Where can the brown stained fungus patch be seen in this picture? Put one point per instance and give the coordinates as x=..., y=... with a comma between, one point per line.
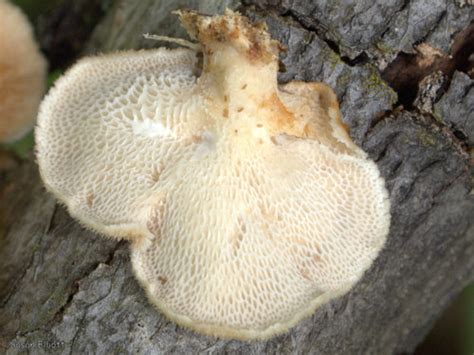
x=252, y=39
x=90, y=199
x=163, y=279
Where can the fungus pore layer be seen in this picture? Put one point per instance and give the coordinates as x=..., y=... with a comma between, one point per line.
x=247, y=204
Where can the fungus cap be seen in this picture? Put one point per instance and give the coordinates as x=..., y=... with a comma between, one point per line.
x=22, y=74
x=247, y=204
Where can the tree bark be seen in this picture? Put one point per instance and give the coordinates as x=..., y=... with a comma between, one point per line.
x=64, y=289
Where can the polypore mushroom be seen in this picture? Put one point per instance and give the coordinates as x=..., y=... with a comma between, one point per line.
x=22, y=74
x=247, y=204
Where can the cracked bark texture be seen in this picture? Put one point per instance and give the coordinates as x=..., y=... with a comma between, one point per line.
x=67, y=287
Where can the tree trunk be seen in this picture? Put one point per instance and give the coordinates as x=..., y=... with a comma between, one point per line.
x=64, y=289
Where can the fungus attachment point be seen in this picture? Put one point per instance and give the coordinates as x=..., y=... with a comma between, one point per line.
x=247, y=204
x=22, y=74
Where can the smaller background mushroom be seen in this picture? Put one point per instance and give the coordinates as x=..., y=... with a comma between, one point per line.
x=22, y=74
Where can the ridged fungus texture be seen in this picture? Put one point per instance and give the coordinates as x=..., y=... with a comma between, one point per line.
x=246, y=203
x=22, y=74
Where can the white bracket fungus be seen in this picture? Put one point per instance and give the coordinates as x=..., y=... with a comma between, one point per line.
x=22, y=74
x=246, y=203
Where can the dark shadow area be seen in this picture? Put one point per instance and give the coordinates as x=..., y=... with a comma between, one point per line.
x=63, y=26
x=453, y=332
x=64, y=30
x=406, y=72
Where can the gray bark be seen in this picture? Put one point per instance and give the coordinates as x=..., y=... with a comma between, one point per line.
x=64, y=289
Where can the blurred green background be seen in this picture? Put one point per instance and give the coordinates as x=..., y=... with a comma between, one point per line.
x=452, y=334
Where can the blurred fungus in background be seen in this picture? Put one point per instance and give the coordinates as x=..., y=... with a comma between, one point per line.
x=22, y=74
x=62, y=27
